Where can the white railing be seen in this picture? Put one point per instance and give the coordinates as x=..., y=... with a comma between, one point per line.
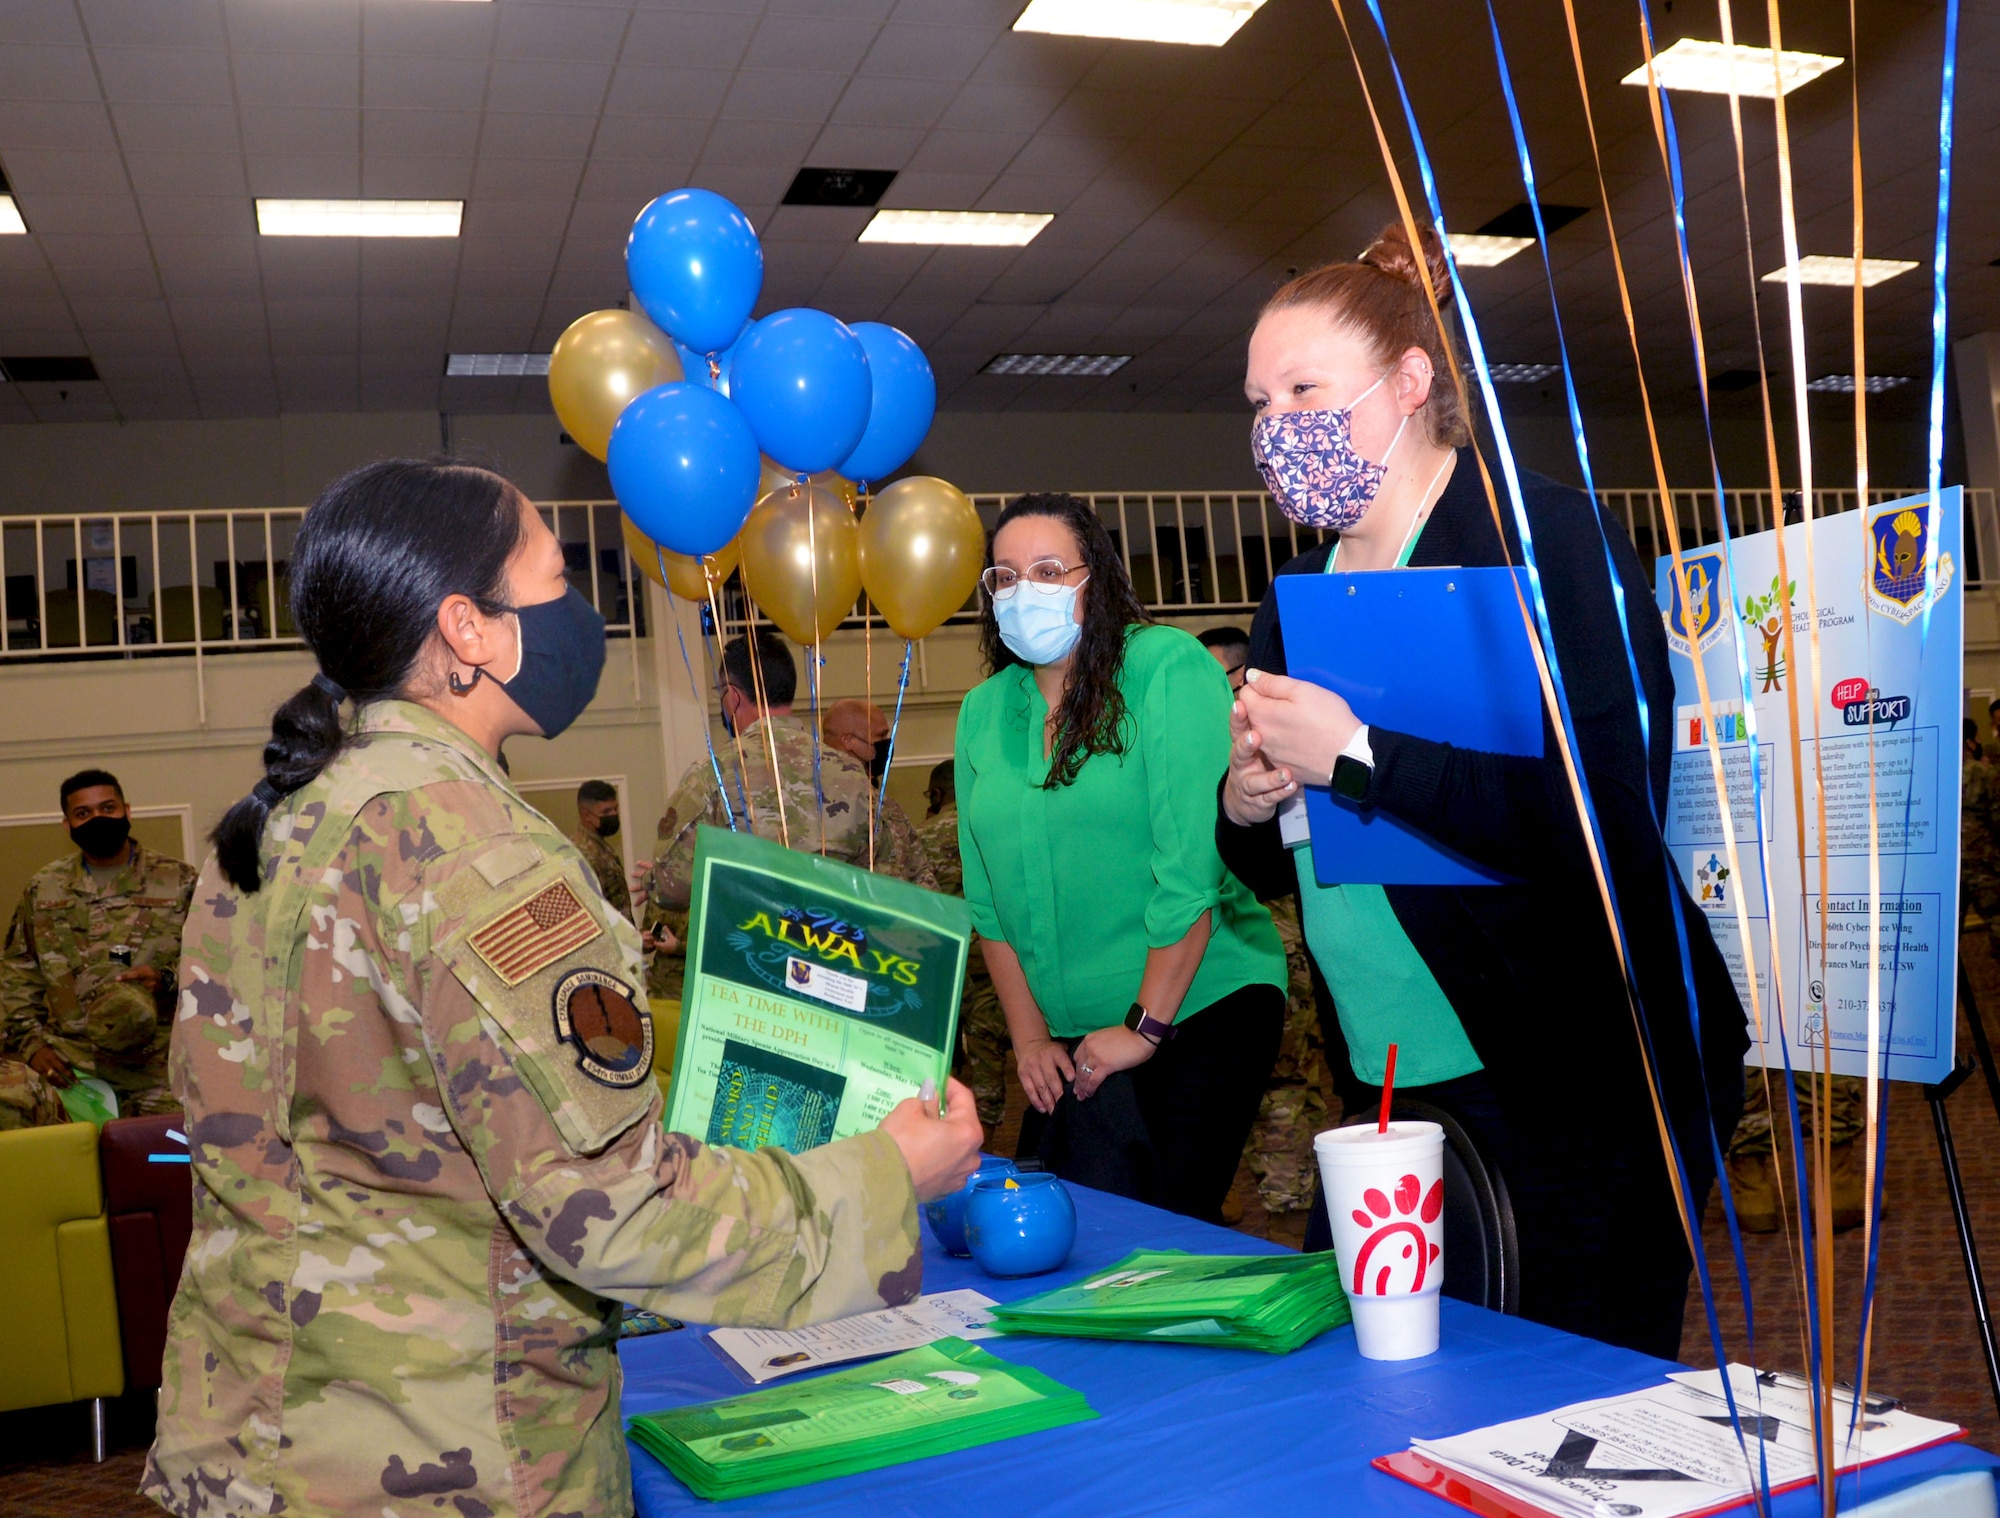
x=136, y=584
x=133, y=584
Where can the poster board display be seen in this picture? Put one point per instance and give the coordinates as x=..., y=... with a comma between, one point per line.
x=1891, y=666
x=818, y=996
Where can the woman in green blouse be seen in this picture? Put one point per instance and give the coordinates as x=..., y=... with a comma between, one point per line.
x=1143, y=984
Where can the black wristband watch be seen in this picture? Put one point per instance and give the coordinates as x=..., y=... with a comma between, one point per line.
x=1351, y=777
x=1147, y=1026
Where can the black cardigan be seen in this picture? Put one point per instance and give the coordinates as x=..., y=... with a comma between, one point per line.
x=1530, y=968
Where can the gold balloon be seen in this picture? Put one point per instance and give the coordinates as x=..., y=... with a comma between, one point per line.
x=684, y=577
x=922, y=548
x=775, y=476
x=599, y=364
x=800, y=560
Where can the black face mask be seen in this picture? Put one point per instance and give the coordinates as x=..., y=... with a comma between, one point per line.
x=879, y=765
x=562, y=654
x=101, y=837
x=607, y=827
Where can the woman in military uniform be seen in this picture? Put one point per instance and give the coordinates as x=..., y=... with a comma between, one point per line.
x=428, y=1158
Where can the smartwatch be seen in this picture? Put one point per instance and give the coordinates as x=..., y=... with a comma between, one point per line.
x=1147, y=1026
x=1351, y=777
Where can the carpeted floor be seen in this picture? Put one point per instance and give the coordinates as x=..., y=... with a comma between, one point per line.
x=1926, y=1349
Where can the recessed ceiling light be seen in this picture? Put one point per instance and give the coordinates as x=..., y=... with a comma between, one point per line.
x=1478, y=250
x=1203, y=23
x=838, y=187
x=11, y=224
x=1522, y=374
x=50, y=369
x=1068, y=365
x=495, y=365
x=359, y=218
x=1843, y=384
x=1519, y=220
x=983, y=229
x=1838, y=269
x=1706, y=67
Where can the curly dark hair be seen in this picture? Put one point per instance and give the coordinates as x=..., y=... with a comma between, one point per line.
x=1092, y=717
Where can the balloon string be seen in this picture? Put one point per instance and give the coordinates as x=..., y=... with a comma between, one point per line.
x=804, y=488
x=753, y=640
x=868, y=687
x=710, y=639
x=694, y=685
x=902, y=684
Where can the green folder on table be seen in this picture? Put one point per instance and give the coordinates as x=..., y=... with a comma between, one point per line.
x=1269, y=1302
x=945, y=1396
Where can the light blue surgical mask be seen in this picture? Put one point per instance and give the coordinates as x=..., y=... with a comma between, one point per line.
x=1039, y=625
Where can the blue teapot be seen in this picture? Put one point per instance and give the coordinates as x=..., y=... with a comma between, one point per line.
x=1020, y=1225
x=947, y=1214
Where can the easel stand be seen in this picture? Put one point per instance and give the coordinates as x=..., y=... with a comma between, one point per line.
x=1938, y=1096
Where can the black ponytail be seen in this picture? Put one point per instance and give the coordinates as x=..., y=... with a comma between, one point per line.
x=378, y=552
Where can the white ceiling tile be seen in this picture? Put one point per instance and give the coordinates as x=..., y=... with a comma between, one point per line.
x=400, y=29
x=783, y=95
x=489, y=224
x=235, y=256
x=80, y=126
x=185, y=173
x=72, y=251
x=198, y=215
x=138, y=369
x=757, y=143
x=688, y=40
x=510, y=282
x=125, y=280
x=153, y=23
x=82, y=213
x=834, y=224
x=46, y=73
x=317, y=382
x=841, y=145
x=666, y=140
x=298, y=79
x=520, y=134
x=418, y=134
x=935, y=190
x=308, y=266
x=416, y=83
x=984, y=106
x=565, y=86
x=40, y=26
x=895, y=102
x=803, y=42
x=219, y=318
x=192, y=128
x=968, y=152
x=526, y=179
x=113, y=319
x=929, y=52
x=598, y=220
x=177, y=75
x=62, y=171
x=307, y=129
x=499, y=316
x=417, y=178
x=561, y=31
x=632, y=181
x=651, y=90
x=1041, y=193
x=278, y=26
x=755, y=188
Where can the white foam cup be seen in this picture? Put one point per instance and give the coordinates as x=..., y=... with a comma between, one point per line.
x=1385, y=1199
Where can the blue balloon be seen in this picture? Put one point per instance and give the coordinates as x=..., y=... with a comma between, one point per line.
x=695, y=264
x=801, y=378
x=695, y=365
x=684, y=466
x=905, y=401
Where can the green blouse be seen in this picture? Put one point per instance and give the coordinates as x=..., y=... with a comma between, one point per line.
x=1082, y=880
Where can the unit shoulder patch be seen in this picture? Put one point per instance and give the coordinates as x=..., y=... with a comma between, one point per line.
x=535, y=933
x=605, y=1022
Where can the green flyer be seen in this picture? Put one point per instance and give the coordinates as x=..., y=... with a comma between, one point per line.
x=818, y=996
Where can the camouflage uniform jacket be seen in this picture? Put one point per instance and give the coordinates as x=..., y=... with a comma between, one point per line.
x=427, y=1156
x=841, y=832
x=59, y=955
x=1979, y=832
x=606, y=865
x=939, y=837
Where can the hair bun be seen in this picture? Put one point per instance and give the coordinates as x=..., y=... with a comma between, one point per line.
x=1391, y=253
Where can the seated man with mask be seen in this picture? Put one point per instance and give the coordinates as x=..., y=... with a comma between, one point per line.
x=87, y=984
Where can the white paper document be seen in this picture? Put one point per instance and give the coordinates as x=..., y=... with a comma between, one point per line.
x=1670, y=1451
x=765, y=1354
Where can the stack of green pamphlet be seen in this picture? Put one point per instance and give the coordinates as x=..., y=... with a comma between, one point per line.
x=1271, y=1302
x=945, y=1396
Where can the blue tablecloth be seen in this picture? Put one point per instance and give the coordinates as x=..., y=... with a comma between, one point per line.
x=1187, y=1430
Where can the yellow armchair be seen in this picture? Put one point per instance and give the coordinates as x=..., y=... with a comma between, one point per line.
x=58, y=1303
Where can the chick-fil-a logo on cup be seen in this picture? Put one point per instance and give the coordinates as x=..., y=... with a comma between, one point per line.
x=1385, y=1198
x=1401, y=1245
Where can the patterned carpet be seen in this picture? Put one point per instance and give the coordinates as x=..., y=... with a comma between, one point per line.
x=1926, y=1348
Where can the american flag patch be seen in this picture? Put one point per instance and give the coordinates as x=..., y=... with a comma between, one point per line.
x=538, y=932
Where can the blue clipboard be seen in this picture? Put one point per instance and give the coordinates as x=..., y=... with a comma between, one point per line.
x=1436, y=653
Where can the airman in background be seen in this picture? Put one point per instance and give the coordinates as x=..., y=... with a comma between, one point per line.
x=860, y=729
x=785, y=808
x=982, y=1026
x=596, y=825
x=88, y=978
x=1279, y=1151
x=26, y=1100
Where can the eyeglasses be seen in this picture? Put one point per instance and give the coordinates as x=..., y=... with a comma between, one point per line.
x=1045, y=575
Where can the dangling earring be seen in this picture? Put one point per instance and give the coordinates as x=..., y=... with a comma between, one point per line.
x=462, y=687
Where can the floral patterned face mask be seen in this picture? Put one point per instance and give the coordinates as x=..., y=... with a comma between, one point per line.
x=1310, y=465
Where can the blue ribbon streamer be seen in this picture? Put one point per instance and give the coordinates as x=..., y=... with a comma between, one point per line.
x=895, y=726
x=1540, y=604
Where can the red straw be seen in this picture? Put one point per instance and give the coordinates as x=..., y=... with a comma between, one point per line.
x=1388, y=1090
